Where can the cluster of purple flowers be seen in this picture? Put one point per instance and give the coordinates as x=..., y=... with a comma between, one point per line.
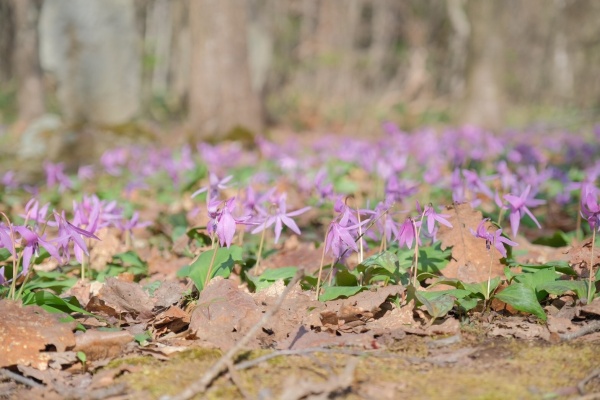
x=89, y=217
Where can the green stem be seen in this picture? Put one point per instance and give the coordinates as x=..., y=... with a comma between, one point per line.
x=361, y=253
x=592, y=279
x=13, y=284
x=212, y=261
x=321, y=267
x=260, y=248
x=417, y=236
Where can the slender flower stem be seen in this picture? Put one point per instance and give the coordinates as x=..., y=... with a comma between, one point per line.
x=501, y=215
x=361, y=254
x=592, y=280
x=578, y=232
x=321, y=267
x=13, y=284
x=260, y=247
x=417, y=236
x=489, y=282
x=212, y=261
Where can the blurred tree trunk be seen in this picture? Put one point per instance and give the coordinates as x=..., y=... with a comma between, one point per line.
x=483, y=102
x=221, y=96
x=26, y=61
x=7, y=33
x=92, y=48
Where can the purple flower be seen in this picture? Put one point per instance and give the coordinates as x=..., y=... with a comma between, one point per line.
x=55, y=174
x=590, y=209
x=31, y=242
x=477, y=184
x=67, y=233
x=492, y=239
x=433, y=216
x=6, y=240
x=35, y=213
x=386, y=224
x=340, y=239
x=85, y=173
x=214, y=186
x=519, y=207
x=9, y=180
x=399, y=190
x=280, y=218
x=325, y=190
x=130, y=224
x=407, y=232
x=222, y=222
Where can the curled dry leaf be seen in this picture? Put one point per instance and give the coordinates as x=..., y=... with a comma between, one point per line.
x=470, y=258
x=99, y=345
x=118, y=298
x=26, y=333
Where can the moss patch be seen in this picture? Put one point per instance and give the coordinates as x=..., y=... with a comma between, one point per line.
x=498, y=369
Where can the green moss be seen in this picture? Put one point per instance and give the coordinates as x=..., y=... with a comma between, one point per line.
x=499, y=369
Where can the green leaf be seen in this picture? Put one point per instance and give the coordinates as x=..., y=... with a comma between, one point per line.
x=559, y=239
x=224, y=261
x=386, y=260
x=345, y=278
x=437, y=305
x=4, y=254
x=561, y=287
x=336, y=292
x=537, y=279
x=431, y=258
x=143, y=338
x=559, y=266
x=54, y=304
x=467, y=303
x=271, y=276
x=522, y=298
x=482, y=287
x=130, y=259
x=81, y=356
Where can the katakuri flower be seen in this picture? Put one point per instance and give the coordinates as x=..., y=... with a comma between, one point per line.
x=492, y=238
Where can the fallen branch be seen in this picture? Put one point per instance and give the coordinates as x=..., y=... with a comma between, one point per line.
x=592, y=327
x=591, y=376
x=220, y=366
x=20, y=379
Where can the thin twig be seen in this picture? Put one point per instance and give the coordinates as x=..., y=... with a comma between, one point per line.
x=592, y=327
x=20, y=379
x=217, y=369
x=592, y=375
x=235, y=379
x=300, y=352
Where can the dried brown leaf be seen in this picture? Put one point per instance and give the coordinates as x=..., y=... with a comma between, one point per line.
x=99, y=345
x=593, y=308
x=470, y=259
x=26, y=332
x=119, y=298
x=224, y=313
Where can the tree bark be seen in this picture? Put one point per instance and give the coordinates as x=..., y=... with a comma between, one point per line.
x=483, y=104
x=26, y=62
x=221, y=95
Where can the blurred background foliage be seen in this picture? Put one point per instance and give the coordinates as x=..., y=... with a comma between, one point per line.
x=210, y=67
